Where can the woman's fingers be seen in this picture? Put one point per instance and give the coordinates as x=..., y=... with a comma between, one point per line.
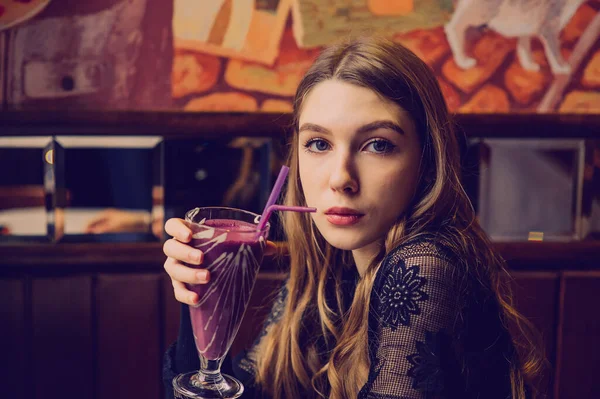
x=178, y=229
x=180, y=275
x=183, y=295
x=183, y=252
x=178, y=251
x=180, y=272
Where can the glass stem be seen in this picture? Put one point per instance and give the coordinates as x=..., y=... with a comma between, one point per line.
x=210, y=371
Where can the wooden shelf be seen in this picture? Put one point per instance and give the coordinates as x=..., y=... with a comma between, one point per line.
x=574, y=255
x=48, y=258
x=581, y=255
x=205, y=124
x=162, y=123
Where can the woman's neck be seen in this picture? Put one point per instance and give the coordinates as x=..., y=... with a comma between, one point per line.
x=365, y=255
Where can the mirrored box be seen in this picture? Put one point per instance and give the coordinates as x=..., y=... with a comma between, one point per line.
x=105, y=188
x=590, y=220
x=234, y=172
x=531, y=189
x=23, y=198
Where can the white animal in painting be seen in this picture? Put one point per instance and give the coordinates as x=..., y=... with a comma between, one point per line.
x=523, y=19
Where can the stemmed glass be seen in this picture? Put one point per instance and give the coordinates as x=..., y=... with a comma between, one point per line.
x=233, y=249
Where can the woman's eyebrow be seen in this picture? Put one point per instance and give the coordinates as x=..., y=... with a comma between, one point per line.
x=385, y=124
x=314, y=128
x=369, y=127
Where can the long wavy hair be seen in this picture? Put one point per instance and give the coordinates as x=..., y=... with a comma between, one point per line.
x=289, y=363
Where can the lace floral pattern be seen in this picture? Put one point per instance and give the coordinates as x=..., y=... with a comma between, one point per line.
x=415, y=292
x=402, y=289
x=426, y=366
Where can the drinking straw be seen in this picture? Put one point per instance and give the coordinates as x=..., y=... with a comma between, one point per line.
x=283, y=208
x=270, y=205
x=273, y=196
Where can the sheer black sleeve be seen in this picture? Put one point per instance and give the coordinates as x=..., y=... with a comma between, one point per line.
x=414, y=310
x=420, y=303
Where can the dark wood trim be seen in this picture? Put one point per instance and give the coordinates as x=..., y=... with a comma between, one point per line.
x=560, y=319
x=80, y=256
x=529, y=125
x=175, y=124
x=575, y=255
x=112, y=257
x=581, y=273
x=161, y=123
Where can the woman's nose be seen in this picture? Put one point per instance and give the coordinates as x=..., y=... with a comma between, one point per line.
x=343, y=175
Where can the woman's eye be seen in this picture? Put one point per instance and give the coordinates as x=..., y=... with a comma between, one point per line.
x=379, y=146
x=317, y=145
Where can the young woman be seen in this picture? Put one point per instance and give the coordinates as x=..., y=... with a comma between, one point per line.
x=393, y=288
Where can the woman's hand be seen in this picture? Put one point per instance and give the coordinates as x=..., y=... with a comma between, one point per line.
x=178, y=251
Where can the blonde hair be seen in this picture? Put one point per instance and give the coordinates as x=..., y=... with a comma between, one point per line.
x=288, y=360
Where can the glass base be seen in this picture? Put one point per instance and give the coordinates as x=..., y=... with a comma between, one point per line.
x=192, y=386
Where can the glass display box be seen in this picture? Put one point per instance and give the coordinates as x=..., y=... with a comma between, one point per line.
x=531, y=189
x=106, y=188
x=23, y=197
x=123, y=188
x=81, y=188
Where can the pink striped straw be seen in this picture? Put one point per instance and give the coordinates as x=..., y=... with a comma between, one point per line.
x=271, y=206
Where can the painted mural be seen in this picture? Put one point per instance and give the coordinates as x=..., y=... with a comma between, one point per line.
x=499, y=56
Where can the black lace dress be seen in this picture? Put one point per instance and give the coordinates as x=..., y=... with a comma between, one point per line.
x=434, y=332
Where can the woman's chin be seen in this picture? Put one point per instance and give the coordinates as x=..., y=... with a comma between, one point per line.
x=344, y=243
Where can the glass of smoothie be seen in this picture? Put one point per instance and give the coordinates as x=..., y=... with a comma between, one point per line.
x=233, y=245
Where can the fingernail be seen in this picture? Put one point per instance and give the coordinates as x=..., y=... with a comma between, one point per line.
x=201, y=275
x=193, y=300
x=195, y=255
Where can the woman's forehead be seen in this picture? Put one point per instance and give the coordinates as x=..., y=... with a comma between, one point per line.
x=336, y=104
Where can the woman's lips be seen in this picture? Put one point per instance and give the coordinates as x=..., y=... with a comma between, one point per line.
x=342, y=216
x=343, y=220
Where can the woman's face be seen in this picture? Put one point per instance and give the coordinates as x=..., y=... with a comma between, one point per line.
x=359, y=162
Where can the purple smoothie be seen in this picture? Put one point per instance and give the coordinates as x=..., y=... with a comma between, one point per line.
x=232, y=254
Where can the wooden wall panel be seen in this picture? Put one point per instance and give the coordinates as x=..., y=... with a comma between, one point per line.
x=536, y=297
x=171, y=312
x=129, y=328
x=578, y=361
x=13, y=361
x=62, y=343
